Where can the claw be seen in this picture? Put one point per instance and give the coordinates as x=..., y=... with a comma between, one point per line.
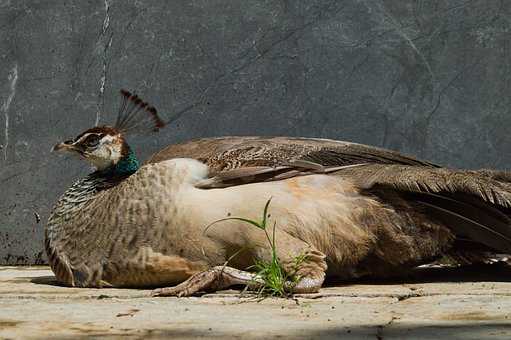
x=198, y=282
x=156, y=292
x=167, y=291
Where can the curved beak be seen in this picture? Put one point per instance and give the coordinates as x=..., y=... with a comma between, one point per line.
x=59, y=147
x=64, y=146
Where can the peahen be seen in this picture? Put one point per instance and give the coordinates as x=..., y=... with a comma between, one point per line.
x=349, y=210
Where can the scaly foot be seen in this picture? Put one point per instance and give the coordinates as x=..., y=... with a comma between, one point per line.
x=216, y=278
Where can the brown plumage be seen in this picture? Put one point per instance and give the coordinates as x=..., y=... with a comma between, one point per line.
x=351, y=209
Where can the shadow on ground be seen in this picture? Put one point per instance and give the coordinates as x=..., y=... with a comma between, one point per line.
x=46, y=280
x=494, y=272
x=402, y=331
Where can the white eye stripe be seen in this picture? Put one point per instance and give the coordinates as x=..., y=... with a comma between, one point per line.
x=84, y=137
x=107, y=139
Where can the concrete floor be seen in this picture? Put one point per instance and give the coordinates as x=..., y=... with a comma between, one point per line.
x=473, y=303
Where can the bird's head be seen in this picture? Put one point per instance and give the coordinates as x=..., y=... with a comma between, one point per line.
x=102, y=146
x=105, y=146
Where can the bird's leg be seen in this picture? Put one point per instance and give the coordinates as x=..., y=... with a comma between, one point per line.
x=216, y=278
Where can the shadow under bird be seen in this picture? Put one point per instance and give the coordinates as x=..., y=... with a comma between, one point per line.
x=349, y=210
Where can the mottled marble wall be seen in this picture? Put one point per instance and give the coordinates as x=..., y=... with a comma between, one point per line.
x=429, y=78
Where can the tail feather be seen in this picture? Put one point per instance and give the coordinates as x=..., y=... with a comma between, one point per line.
x=434, y=180
x=467, y=227
x=481, y=213
x=473, y=204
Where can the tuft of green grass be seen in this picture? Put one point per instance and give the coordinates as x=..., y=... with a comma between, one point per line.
x=276, y=281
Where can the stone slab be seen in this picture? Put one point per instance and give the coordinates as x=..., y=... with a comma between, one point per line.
x=32, y=306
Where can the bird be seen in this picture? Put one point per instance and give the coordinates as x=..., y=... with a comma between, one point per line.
x=348, y=210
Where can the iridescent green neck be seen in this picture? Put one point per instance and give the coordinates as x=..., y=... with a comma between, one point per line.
x=126, y=166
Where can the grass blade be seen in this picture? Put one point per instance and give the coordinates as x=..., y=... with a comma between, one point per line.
x=246, y=220
x=265, y=212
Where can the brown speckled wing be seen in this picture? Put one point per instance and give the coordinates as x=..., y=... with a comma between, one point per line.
x=227, y=153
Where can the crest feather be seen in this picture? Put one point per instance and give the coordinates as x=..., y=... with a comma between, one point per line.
x=135, y=115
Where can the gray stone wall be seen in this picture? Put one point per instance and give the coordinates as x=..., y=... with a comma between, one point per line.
x=430, y=78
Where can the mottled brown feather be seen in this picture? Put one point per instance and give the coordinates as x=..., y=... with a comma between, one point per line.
x=224, y=153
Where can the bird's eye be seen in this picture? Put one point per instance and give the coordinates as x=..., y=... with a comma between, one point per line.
x=92, y=140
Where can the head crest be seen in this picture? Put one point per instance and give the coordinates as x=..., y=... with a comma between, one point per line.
x=135, y=115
